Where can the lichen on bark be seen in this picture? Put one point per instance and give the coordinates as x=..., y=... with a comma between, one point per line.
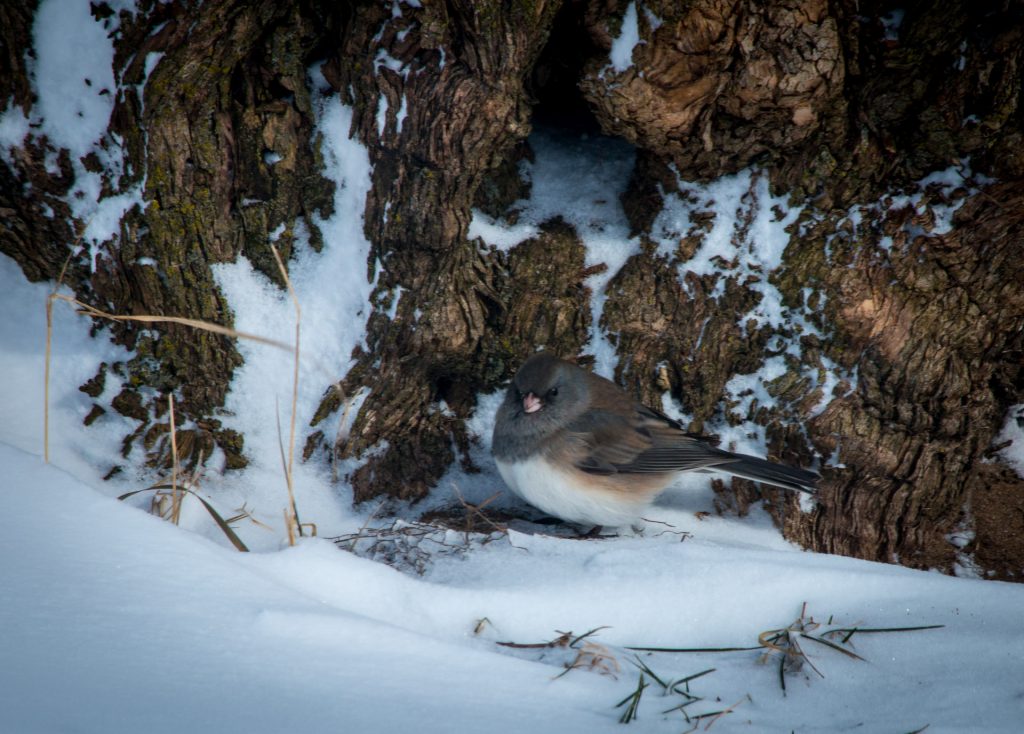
x=922, y=325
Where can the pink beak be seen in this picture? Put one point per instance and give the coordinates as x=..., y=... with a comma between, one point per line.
x=531, y=403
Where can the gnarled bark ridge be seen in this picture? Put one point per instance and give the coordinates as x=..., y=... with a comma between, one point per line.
x=907, y=352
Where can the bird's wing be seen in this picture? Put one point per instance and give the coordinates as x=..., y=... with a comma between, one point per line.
x=641, y=441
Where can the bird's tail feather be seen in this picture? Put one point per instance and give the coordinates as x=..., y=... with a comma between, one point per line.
x=778, y=475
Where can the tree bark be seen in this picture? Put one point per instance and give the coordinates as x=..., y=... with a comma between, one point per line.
x=929, y=323
x=230, y=86
x=837, y=102
x=458, y=71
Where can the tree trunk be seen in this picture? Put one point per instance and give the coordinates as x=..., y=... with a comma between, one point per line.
x=230, y=86
x=457, y=71
x=904, y=331
x=928, y=321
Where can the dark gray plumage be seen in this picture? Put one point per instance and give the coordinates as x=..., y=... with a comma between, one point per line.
x=578, y=447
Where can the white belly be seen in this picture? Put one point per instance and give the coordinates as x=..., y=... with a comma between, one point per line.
x=563, y=495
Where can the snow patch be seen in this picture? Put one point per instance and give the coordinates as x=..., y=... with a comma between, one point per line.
x=1013, y=431
x=74, y=82
x=74, y=77
x=13, y=130
x=578, y=179
x=87, y=452
x=333, y=289
x=621, y=55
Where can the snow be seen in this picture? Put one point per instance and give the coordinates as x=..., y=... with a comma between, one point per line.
x=730, y=199
x=73, y=75
x=117, y=621
x=579, y=179
x=333, y=291
x=891, y=23
x=1013, y=431
x=75, y=360
x=73, y=79
x=621, y=54
x=652, y=20
x=13, y=129
x=382, y=115
x=403, y=112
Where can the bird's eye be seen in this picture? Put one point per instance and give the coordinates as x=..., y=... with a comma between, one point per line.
x=519, y=393
x=552, y=392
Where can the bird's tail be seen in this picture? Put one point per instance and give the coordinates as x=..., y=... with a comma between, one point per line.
x=778, y=475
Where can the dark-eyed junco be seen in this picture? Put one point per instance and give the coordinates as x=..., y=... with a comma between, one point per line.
x=576, y=446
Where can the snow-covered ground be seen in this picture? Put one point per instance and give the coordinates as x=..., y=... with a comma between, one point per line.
x=116, y=621
x=113, y=620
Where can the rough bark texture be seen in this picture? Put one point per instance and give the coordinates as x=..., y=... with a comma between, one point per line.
x=715, y=85
x=27, y=234
x=231, y=87
x=934, y=325
x=834, y=102
x=465, y=102
x=930, y=324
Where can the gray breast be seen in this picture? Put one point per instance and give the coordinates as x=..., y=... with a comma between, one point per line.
x=518, y=436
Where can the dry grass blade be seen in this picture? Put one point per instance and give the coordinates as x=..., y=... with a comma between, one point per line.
x=289, y=468
x=693, y=649
x=175, y=495
x=714, y=716
x=673, y=686
x=224, y=527
x=221, y=522
x=593, y=657
x=481, y=624
x=801, y=655
x=587, y=634
x=472, y=511
x=562, y=640
x=771, y=639
x=46, y=377
x=849, y=632
x=49, y=340
x=291, y=513
x=84, y=308
x=834, y=646
x=244, y=513
x=786, y=642
x=88, y=310
x=681, y=708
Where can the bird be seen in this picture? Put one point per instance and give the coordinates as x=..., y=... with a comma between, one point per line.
x=576, y=446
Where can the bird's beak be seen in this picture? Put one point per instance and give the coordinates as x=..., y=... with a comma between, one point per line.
x=531, y=403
